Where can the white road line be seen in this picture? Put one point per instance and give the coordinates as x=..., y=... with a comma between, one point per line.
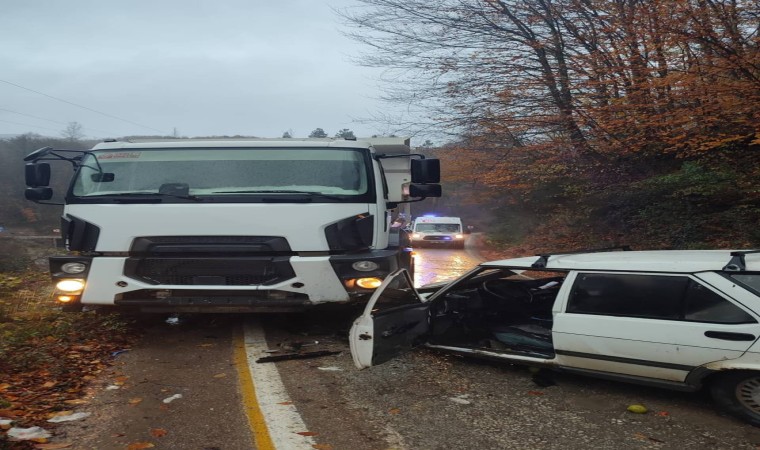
x=283, y=420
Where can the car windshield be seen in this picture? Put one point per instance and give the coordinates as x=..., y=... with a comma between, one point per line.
x=437, y=227
x=223, y=172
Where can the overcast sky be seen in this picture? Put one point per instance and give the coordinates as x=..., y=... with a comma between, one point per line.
x=249, y=67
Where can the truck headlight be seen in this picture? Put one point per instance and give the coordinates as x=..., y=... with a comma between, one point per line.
x=74, y=267
x=459, y=236
x=70, y=285
x=365, y=266
x=416, y=235
x=369, y=283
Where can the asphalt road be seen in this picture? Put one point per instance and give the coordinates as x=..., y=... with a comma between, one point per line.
x=422, y=400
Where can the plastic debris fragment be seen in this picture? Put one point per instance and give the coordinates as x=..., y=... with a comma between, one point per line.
x=461, y=399
x=172, y=398
x=28, y=434
x=70, y=417
x=330, y=369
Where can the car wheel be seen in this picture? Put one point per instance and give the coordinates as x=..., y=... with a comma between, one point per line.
x=738, y=393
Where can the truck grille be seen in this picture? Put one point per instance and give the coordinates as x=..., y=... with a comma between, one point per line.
x=241, y=271
x=437, y=238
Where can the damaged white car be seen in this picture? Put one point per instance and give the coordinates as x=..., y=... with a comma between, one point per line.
x=676, y=319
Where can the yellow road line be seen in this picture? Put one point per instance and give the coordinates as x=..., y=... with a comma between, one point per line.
x=256, y=421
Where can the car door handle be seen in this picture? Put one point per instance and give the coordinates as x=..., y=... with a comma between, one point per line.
x=730, y=336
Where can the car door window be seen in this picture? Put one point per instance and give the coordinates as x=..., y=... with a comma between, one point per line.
x=656, y=297
x=704, y=305
x=398, y=293
x=652, y=296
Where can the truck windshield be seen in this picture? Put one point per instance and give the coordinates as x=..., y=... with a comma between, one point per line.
x=195, y=172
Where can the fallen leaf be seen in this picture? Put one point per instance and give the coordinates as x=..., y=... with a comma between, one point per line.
x=140, y=446
x=535, y=393
x=206, y=345
x=285, y=403
x=220, y=375
x=307, y=433
x=157, y=432
x=322, y=446
x=4, y=386
x=135, y=401
x=77, y=401
x=60, y=413
x=662, y=413
x=394, y=411
x=49, y=384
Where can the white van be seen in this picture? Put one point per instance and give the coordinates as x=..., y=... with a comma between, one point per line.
x=437, y=231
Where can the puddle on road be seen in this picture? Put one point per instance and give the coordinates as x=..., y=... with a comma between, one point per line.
x=433, y=265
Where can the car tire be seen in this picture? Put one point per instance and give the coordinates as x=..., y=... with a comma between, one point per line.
x=738, y=393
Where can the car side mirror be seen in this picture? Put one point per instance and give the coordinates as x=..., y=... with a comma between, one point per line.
x=426, y=171
x=37, y=174
x=37, y=194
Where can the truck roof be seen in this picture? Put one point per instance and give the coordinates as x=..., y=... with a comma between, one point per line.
x=383, y=144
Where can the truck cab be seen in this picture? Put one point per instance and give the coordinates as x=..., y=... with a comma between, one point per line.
x=226, y=226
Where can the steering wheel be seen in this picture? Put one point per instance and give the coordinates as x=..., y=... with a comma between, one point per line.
x=506, y=290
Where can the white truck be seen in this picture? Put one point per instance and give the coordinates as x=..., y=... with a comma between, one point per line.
x=231, y=226
x=431, y=231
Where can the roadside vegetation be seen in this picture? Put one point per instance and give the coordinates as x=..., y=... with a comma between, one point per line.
x=48, y=358
x=570, y=123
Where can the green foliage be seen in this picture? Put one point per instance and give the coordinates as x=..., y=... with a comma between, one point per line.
x=318, y=133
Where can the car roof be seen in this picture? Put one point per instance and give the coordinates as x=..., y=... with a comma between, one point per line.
x=675, y=261
x=232, y=143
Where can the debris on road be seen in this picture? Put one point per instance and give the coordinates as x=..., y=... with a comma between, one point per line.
x=36, y=434
x=461, y=399
x=172, y=398
x=290, y=356
x=638, y=409
x=69, y=417
x=330, y=369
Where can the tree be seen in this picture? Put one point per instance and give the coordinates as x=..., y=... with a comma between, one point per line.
x=345, y=133
x=73, y=132
x=318, y=133
x=288, y=134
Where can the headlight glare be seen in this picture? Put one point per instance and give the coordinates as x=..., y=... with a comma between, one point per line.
x=369, y=283
x=70, y=285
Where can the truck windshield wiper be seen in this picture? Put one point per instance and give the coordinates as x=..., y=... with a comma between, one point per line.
x=146, y=195
x=284, y=191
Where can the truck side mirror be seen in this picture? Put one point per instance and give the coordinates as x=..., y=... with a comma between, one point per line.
x=424, y=190
x=37, y=174
x=426, y=171
x=37, y=194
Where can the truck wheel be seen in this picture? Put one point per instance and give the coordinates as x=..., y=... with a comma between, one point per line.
x=738, y=393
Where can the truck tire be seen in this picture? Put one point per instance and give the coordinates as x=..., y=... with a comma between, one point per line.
x=737, y=392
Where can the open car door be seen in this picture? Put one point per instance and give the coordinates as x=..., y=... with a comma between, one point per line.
x=394, y=321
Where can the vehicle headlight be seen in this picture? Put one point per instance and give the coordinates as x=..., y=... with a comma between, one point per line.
x=459, y=236
x=365, y=266
x=369, y=283
x=416, y=235
x=70, y=285
x=74, y=267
